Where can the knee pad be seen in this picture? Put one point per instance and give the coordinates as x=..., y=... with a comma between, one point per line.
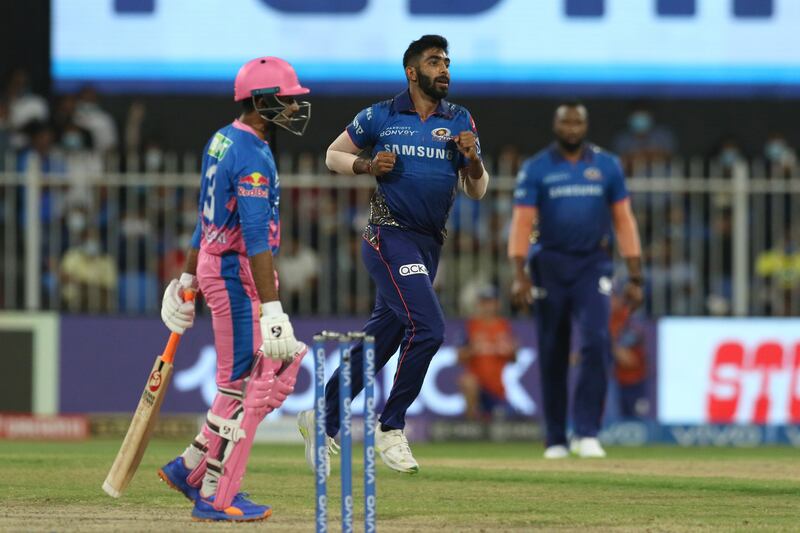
x=232, y=434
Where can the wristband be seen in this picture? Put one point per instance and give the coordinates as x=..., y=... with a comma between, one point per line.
x=369, y=165
x=271, y=308
x=636, y=280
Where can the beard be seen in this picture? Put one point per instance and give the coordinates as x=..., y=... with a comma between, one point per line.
x=428, y=86
x=569, y=147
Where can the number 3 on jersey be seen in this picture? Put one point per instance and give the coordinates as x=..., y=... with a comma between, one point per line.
x=208, y=205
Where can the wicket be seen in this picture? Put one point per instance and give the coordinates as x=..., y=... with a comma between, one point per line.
x=345, y=431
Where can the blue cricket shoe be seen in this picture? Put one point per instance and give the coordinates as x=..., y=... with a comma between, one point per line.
x=240, y=510
x=176, y=474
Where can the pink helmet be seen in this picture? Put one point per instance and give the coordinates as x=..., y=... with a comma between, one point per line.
x=267, y=73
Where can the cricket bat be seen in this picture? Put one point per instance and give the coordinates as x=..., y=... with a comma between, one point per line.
x=144, y=419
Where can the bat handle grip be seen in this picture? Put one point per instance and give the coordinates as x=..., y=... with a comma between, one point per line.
x=174, y=338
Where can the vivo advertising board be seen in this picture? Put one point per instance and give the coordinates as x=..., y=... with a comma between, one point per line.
x=497, y=46
x=729, y=371
x=104, y=364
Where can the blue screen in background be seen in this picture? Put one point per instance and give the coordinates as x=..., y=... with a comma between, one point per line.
x=584, y=47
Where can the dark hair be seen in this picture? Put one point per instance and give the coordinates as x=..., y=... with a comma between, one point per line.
x=248, y=105
x=416, y=48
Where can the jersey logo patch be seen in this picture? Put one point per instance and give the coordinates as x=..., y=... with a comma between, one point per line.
x=592, y=173
x=410, y=270
x=441, y=135
x=219, y=146
x=254, y=185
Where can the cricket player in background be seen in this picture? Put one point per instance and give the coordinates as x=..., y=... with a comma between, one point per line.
x=421, y=150
x=572, y=192
x=231, y=262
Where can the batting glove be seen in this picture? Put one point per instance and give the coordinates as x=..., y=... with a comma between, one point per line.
x=177, y=314
x=277, y=333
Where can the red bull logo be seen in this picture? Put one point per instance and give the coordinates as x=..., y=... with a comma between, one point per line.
x=256, y=179
x=259, y=185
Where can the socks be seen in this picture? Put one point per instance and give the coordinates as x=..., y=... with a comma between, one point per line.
x=211, y=479
x=195, y=452
x=209, y=487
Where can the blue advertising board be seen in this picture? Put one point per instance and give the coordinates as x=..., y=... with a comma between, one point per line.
x=648, y=47
x=105, y=360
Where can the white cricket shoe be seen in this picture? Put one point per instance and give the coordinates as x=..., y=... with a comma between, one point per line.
x=558, y=451
x=305, y=423
x=394, y=450
x=587, y=448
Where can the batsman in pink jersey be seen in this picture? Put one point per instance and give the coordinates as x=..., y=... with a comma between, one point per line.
x=230, y=262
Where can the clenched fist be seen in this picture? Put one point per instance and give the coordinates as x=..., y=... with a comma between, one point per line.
x=467, y=144
x=382, y=163
x=633, y=293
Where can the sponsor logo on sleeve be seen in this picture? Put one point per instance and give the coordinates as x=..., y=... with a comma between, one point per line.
x=410, y=270
x=219, y=146
x=254, y=185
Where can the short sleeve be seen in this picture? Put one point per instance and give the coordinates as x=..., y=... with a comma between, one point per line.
x=362, y=129
x=469, y=126
x=198, y=232
x=526, y=191
x=616, y=183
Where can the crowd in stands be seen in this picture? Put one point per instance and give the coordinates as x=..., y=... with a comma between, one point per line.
x=108, y=249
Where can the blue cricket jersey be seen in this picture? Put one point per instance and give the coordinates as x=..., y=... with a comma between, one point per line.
x=419, y=192
x=239, y=194
x=573, y=199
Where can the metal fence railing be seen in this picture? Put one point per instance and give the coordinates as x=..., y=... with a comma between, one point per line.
x=85, y=239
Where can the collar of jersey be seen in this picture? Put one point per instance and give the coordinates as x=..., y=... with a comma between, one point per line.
x=402, y=104
x=587, y=153
x=239, y=125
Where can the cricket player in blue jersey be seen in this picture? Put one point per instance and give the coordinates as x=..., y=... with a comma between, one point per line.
x=422, y=149
x=231, y=263
x=568, y=196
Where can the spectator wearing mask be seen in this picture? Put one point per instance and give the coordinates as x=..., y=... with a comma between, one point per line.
x=727, y=158
x=88, y=274
x=24, y=107
x=781, y=157
x=644, y=142
x=90, y=116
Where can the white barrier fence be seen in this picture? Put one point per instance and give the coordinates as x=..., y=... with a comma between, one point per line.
x=84, y=239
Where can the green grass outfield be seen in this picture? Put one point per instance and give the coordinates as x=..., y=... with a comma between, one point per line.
x=461, y=487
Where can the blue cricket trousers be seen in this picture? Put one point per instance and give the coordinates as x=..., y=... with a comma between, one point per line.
x=407, y=313
x=574, y=287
